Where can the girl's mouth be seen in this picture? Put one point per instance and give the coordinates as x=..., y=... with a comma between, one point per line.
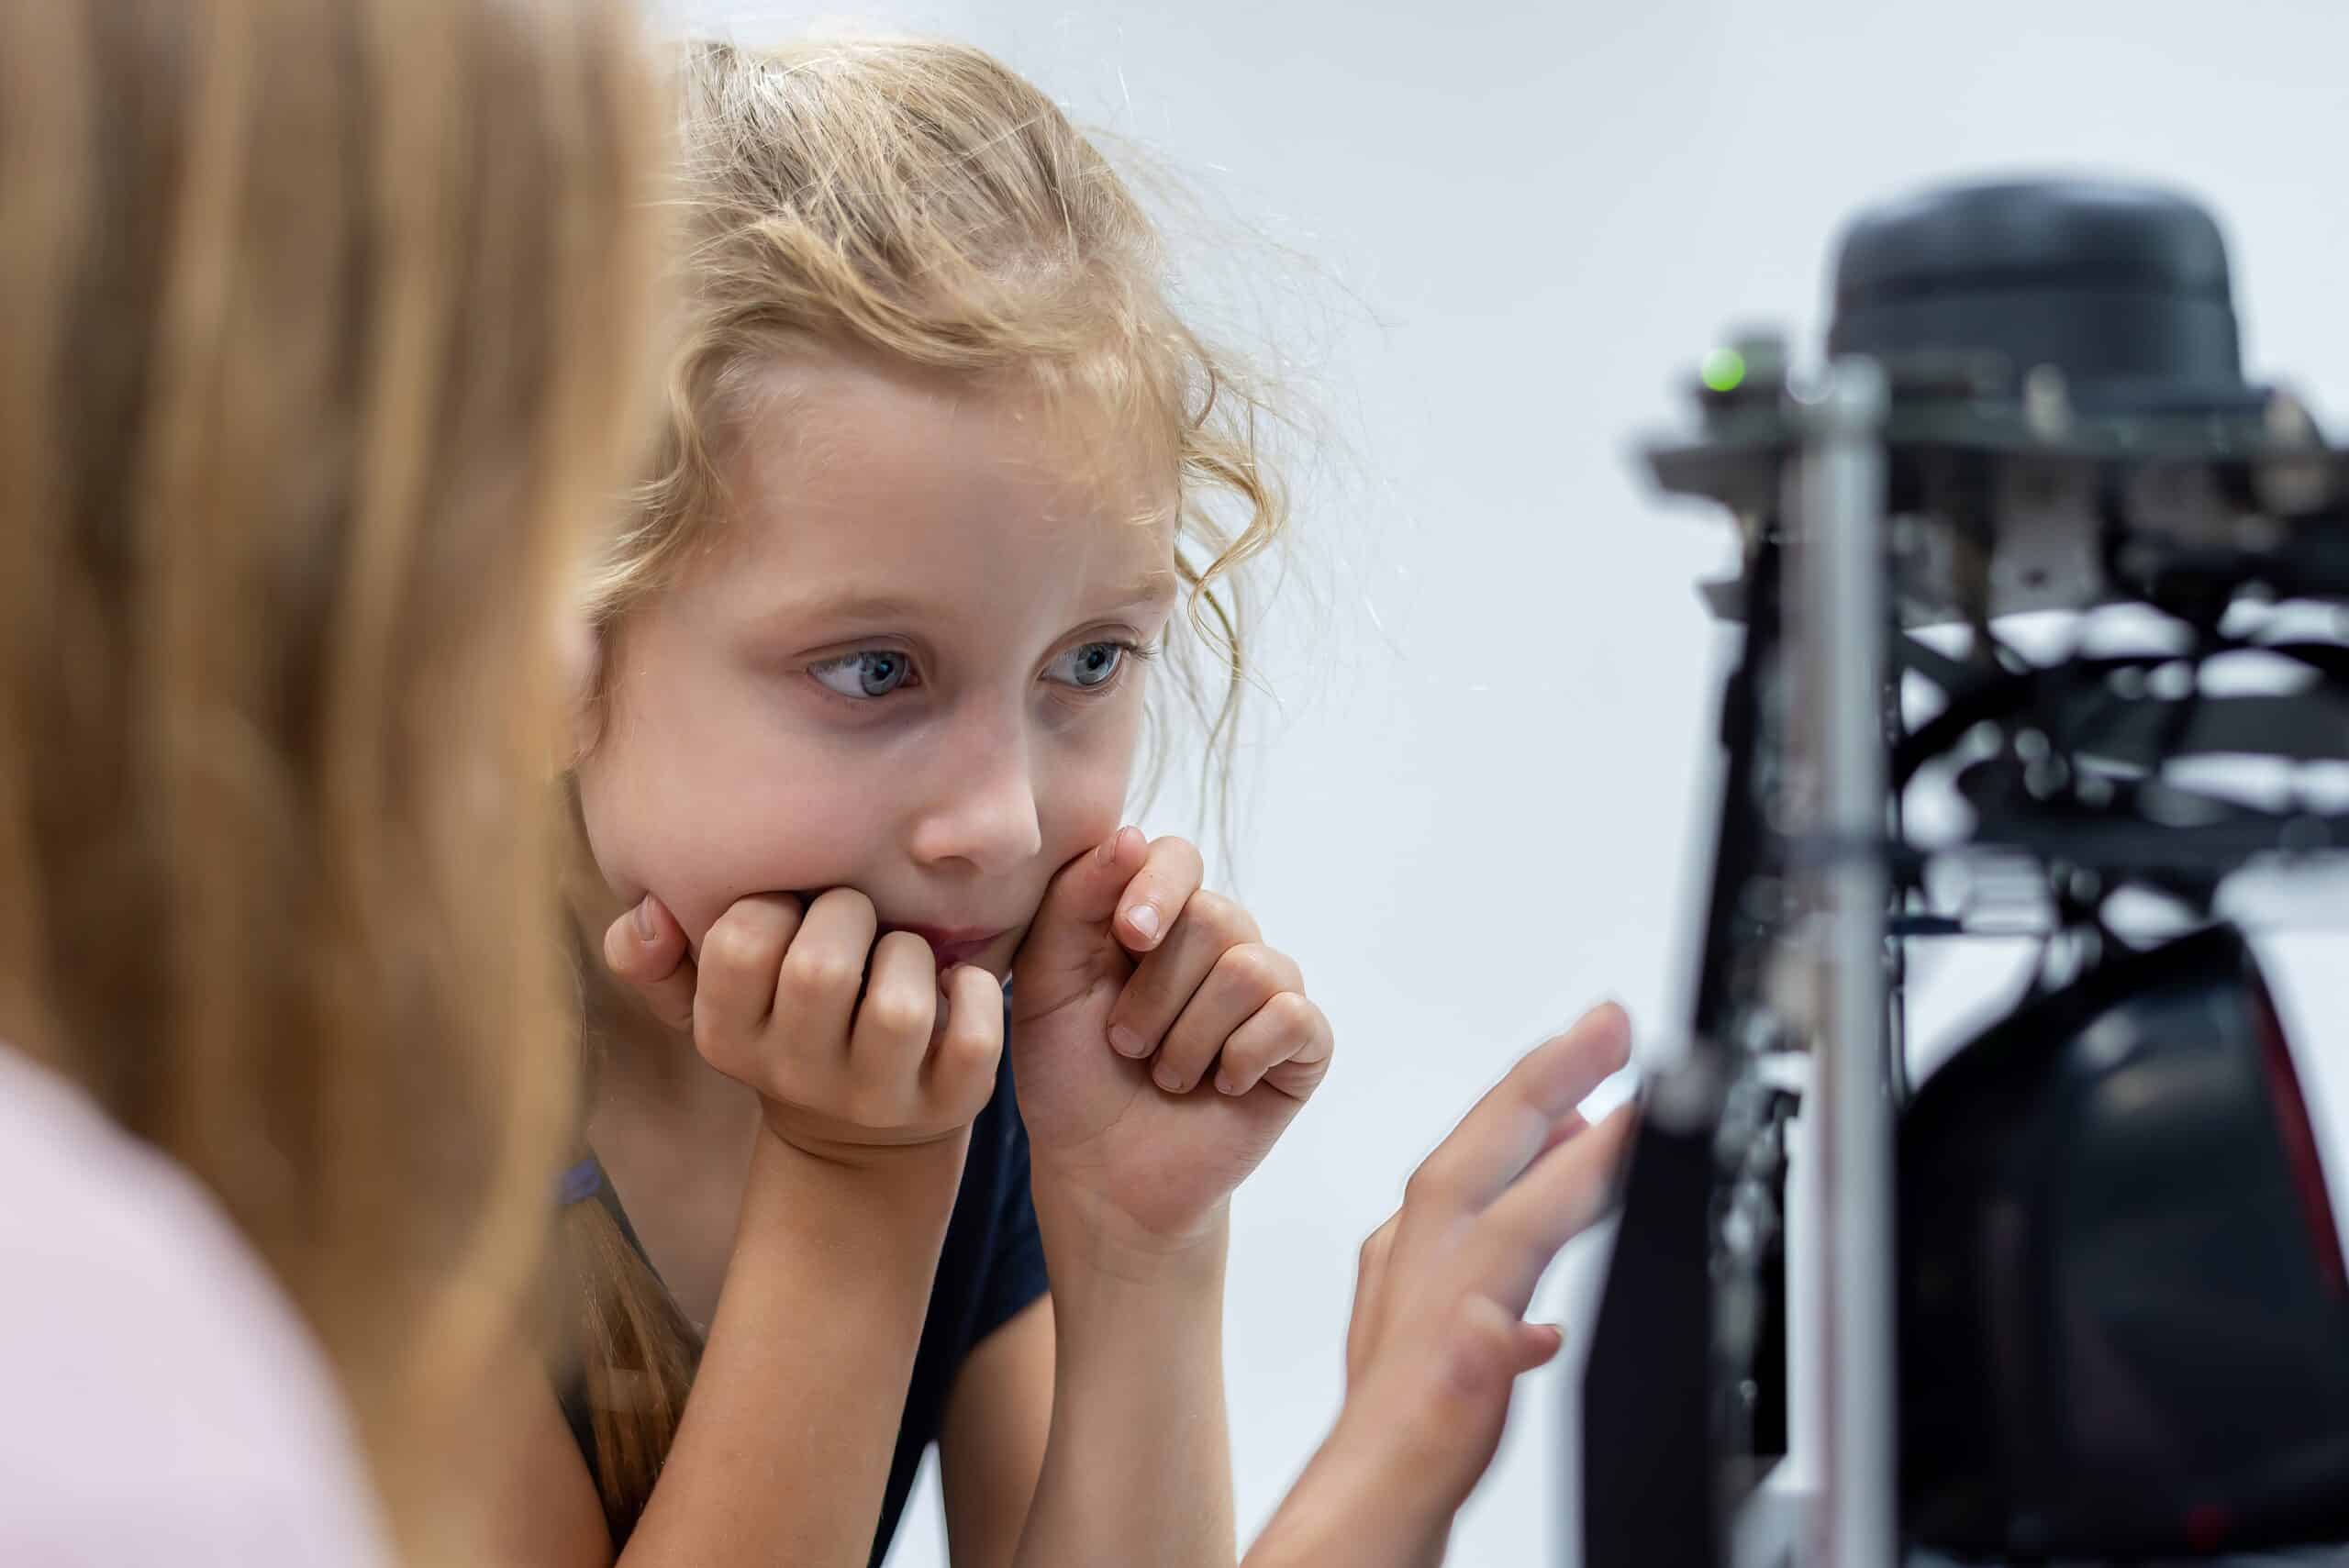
x=954, y=945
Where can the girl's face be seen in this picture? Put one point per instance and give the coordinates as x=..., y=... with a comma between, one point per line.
x=906, y=664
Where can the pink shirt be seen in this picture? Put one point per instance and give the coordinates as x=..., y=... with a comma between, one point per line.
x=160, y=1399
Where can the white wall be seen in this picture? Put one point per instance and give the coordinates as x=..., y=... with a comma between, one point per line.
x=1475, y=813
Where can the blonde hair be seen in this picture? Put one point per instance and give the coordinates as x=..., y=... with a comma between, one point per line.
x=318, y=315
x=918, y=202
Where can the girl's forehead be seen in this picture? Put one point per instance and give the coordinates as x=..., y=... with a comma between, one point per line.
x=900, y=450
x=850, y=484
x=845, y=404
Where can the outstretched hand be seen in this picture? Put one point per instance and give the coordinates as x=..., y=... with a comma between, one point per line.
x=1438, y=1337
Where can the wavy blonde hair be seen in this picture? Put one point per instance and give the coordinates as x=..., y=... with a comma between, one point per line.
x=316, y=323
x=918, y=202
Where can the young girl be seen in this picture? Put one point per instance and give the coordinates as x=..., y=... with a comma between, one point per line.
x=942, y=466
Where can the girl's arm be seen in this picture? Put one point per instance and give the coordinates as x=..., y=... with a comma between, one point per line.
x=991, y=1442
x=782, y=1453
x=1110, y=1429
x=1438, y=1337
x=783, y=1450
x=1435, y=1345
x=1139, y=1457
x=1159, y=1049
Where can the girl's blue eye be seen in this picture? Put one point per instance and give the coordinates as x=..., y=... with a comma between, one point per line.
x=1089, y=664
x=868, y=673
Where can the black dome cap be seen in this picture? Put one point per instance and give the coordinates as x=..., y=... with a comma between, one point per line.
x=2122, y=287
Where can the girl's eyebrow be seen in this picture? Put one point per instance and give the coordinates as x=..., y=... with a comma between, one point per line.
x=859, y=605
x=1147, y=589
x=843, y=604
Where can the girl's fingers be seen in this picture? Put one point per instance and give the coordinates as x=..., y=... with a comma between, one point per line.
x=1241, y=983
x=1490, y=1347
x=894, y=1022
x=1208, y=926
x=1538, y=1344
x=740, y=959
x=646, y=949
x=1066, y=935
x=1070, y=948
x=824, y=970
x=1153, y=900
x=1571, y=1125
x=961, y=1067
x=1566, y=1192
x=1508, y=1129
x=1286, y=1046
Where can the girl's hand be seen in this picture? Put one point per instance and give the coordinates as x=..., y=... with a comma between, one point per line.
x=1438, y=1337
x=852, y=1043
x=1158, y=1046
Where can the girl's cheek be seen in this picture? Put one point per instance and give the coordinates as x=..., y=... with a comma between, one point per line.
x=701, y=827
x=1088, y=801
x=783, y=843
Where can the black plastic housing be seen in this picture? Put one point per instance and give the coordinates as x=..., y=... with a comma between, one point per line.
x=2124, y=1323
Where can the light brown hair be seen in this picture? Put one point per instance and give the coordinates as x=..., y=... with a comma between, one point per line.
x=318, y=323
x=920, y=202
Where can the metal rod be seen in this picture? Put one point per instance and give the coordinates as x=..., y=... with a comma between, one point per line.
x=1838, y=681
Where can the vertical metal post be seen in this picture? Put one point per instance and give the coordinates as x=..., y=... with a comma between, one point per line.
x=1837, y=518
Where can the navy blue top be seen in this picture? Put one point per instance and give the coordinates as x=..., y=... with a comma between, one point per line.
x=991, y=1267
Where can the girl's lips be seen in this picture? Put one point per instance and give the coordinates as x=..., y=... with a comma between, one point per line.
x=959, y=945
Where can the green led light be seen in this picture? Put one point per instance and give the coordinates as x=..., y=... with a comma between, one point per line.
x=1724, y=370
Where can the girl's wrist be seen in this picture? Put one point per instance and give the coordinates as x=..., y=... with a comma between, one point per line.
x=1112, y=1289
x=827, y=1141
x=851, y=1188
x=1085, y=1239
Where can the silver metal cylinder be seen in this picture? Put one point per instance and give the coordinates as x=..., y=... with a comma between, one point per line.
x=1836, y=516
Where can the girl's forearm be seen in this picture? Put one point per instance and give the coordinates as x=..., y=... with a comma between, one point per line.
x=1360, y=1504
x=1138, y=1467
x=783, y=1451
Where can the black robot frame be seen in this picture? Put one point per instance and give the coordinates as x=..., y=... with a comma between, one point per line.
x=1890, y=512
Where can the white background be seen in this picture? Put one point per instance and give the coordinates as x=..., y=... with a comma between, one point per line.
x=1474, y=805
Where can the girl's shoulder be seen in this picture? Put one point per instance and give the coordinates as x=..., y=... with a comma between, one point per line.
x=165, y=1398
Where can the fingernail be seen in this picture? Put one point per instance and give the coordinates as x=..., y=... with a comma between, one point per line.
x=1143, y=919
x=1124, y=1042
x=644, y=918
x=1224, y=1086
x=1170, y=1080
